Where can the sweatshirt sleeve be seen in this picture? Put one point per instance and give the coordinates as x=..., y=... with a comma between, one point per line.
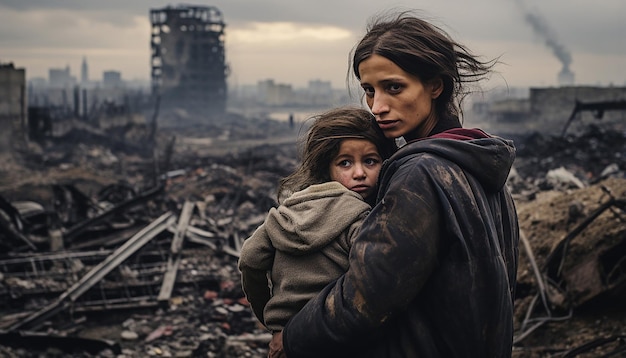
x=391, y=259
x=255, y=260
x=257, y=291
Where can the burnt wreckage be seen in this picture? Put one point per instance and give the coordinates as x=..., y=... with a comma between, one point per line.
x=123, y=250
x=188, y=58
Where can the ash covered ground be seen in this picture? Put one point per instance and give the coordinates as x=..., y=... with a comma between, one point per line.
x=209, y=187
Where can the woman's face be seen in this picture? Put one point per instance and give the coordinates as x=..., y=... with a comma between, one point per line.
x=356, y=166
x=401, y=102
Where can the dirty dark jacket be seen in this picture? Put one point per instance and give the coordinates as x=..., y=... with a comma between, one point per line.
x=433, y=270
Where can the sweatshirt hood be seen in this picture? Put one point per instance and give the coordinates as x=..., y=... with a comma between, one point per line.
x=313, y=217
x=487, y=158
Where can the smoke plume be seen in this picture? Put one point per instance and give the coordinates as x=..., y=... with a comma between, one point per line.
x=542, y=29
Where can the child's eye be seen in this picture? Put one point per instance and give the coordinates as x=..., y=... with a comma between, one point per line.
x=344, y=163
x=371, y=161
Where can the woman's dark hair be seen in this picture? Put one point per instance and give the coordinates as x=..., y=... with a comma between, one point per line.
x=323, y=141
x=425, y=51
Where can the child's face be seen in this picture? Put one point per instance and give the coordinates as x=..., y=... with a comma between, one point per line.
x=356, y=166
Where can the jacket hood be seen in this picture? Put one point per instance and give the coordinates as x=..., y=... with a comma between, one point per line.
x=487, y=158
x=313, y=217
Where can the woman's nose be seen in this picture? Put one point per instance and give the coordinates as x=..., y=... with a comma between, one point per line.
x=379, y=105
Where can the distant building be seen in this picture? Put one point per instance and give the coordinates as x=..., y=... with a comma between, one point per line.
x=275, y=94
x=84, y=72
x=60, y=77
x=188, y=58
x=549, y=109
x=319, y=87
x=13, y=101
x=320, y=92
x=39, y=82
x=112, y=79
x=555, y=105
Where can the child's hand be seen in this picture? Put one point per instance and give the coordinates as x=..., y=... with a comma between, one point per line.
x=276, y=346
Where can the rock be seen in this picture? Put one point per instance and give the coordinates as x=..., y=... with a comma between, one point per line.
x=129, y=336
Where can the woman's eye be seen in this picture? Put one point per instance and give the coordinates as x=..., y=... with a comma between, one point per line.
x=394, y=87
x=369, y=91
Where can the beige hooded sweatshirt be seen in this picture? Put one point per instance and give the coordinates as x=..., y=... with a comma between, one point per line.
x=303, y=245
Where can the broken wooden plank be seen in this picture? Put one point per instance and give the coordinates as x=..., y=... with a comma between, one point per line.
x=174, y=260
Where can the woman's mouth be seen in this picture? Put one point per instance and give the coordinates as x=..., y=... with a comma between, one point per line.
x=387, y=124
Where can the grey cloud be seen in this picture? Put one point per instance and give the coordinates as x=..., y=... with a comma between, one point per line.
x=127, y=6
x=587, y=26
x=348, y=14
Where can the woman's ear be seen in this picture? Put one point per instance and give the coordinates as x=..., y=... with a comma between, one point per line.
x=436, y=87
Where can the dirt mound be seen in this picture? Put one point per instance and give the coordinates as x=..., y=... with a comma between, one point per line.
x=569, y=234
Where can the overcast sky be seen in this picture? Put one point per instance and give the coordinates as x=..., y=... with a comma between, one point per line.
x=296, y=41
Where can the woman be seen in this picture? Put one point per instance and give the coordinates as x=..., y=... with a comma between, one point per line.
x=432, y=272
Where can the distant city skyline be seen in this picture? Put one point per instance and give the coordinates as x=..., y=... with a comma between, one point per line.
x=295, y=43
x=80, y=74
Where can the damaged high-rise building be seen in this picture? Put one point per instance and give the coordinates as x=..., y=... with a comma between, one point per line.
x=12, y=102
x=188, y=58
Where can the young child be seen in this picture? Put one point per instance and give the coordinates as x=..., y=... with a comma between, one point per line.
x=304, y=243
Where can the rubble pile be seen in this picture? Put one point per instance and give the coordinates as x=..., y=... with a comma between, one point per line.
x=592, y=154
x=136, y=257
x=112, y=254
